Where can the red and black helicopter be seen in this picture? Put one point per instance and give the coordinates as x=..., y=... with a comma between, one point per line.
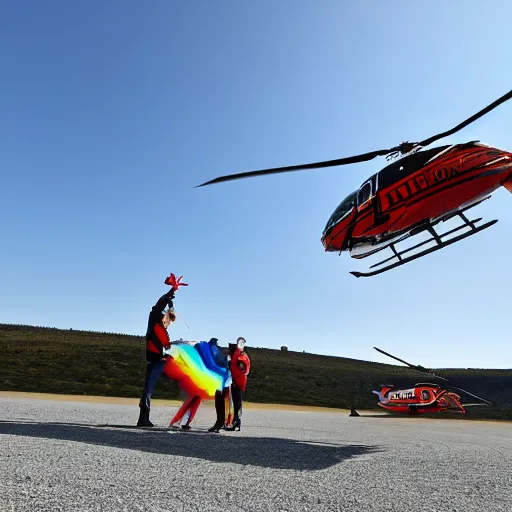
x=423, y=398
x=411, y=195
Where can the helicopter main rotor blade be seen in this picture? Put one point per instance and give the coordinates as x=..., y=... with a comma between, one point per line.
x=316, y=165
x=403, y=148
x=394, y=357
x=418, y=368
x=468, y=121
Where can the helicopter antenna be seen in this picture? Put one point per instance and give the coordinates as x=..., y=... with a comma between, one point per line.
x=422, y=369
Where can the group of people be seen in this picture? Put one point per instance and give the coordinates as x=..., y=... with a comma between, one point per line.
x=202, y=369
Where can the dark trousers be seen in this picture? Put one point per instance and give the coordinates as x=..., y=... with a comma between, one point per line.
x=220, y=407
x=220, y=404
x=153, y=371
x=237, y=395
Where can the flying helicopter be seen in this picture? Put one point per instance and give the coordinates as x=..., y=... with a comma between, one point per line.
x=410, y=196
x=424, y=397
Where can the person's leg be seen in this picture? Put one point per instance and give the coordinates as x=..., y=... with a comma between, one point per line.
x=153, y=372
x=194, y=405
x=228, y=408
x=236, y=397
x=220, y=410
x=236, y=392
x=182, y=410
x=144, y=399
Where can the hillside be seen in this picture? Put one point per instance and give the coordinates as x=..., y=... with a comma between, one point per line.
x=41, y=359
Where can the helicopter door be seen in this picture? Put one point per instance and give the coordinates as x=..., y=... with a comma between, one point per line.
x=365, y=209
x=365, y=194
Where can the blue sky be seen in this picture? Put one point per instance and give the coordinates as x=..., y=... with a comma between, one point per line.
x=112, y=112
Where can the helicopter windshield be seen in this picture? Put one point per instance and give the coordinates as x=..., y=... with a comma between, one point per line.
x=344, y=208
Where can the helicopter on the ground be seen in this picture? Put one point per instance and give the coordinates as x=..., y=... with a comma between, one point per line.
x=423, y=398
x=411, y=195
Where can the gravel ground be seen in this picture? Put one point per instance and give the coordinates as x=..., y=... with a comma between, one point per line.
x=53, y=459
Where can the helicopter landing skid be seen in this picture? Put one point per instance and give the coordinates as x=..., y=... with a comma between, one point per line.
x=438, y=238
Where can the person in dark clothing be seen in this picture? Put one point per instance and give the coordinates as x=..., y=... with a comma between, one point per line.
x=220, y=409
x=158, y=345
x=220, y=395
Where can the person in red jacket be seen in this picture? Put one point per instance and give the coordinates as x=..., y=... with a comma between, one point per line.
x=240, y=368
x=158, y=345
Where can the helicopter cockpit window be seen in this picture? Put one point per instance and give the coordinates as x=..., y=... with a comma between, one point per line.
x=365, y=193
x=344, y=208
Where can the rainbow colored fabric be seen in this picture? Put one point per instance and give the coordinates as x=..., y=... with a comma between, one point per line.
x=199, y=368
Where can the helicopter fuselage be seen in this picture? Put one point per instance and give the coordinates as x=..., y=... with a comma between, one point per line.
x=413, y=191
x=410, y=196
x=422, y=398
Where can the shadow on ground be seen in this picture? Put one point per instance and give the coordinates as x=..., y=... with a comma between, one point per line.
x=268, y=452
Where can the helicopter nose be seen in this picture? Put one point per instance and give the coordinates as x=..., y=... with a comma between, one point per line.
x=325, y=239
x=327, y=242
